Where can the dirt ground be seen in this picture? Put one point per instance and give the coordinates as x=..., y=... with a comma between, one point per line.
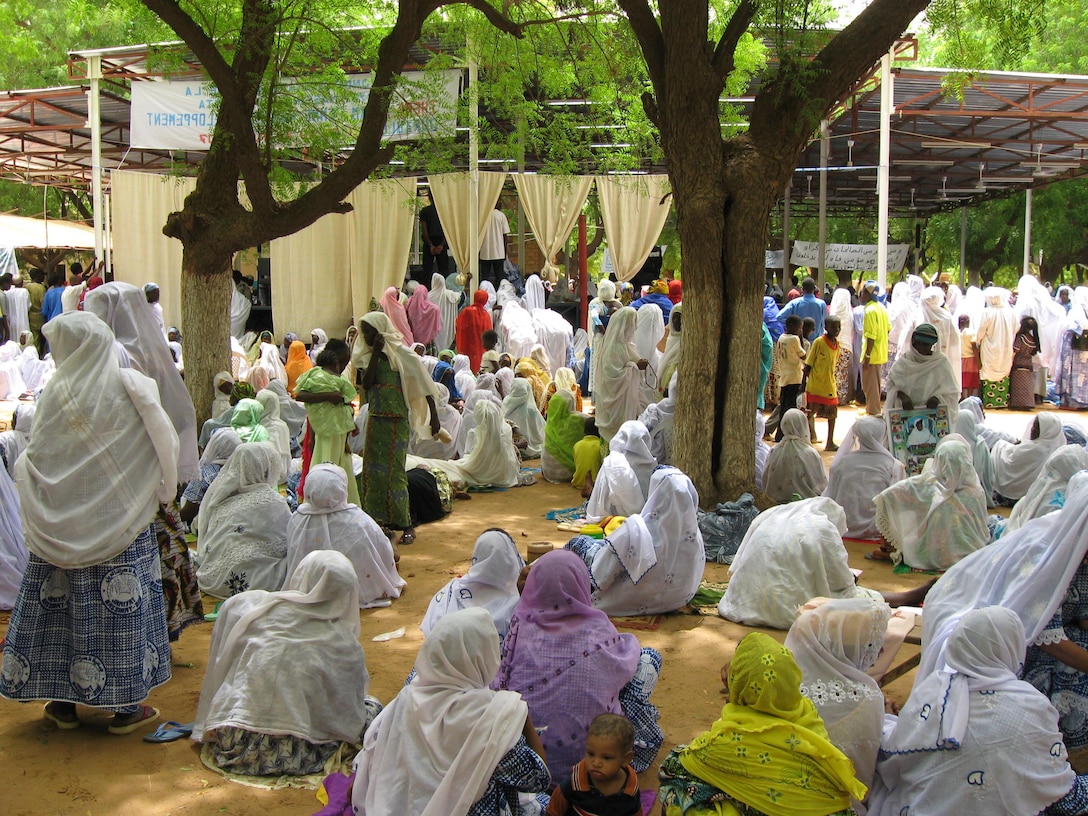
x=88, y=772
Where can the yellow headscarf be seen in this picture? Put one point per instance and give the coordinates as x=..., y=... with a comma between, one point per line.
x=770, y=749
x=659, y=287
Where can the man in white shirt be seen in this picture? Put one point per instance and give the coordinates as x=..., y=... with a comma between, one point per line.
x=73, y=292
x=493, y=247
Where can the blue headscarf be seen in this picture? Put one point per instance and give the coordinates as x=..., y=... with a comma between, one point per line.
x=770, y=318
x=443, y=373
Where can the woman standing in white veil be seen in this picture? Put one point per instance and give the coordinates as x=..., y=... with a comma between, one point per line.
x=649, y=329
x=619, y=369
x=446, y=300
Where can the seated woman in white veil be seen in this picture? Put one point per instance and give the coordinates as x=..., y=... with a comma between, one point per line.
x=654, y=562
x=243, y=525
x=861, y=469
x=326, y=521
x=623, y=482
x=286, y=684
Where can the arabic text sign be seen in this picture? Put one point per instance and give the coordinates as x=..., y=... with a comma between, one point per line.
x=854, y=257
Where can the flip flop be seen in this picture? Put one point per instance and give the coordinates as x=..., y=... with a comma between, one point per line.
x=147, y=714
x=63, y=725
x=213, y=616
x=170, y=731
x=407, y=538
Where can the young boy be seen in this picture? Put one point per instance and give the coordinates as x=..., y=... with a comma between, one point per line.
x=604, y=782
x=588, y=457
x=819, y=375
x=489, y=364
x=791, y=357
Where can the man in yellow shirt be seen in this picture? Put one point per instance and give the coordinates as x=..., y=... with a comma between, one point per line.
x=820, y=392
x=874, y=331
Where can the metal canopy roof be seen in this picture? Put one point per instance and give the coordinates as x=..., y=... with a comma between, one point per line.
x=45, y=138
x=1011, y=131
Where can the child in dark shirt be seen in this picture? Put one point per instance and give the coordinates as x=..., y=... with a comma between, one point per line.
x=604, y=783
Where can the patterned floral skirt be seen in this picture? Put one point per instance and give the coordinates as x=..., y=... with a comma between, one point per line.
x=843, y=367
x=385, y=485
x=94, y=636
x=251, y=753
x=180, y=591
x=995, y=393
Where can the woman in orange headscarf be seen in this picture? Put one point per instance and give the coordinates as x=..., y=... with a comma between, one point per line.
x=298, y=363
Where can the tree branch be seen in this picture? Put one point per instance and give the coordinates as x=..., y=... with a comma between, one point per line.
x=803, y=92
x=648, y=33
x=493, y=15
x=724, y=52
x=238, y=85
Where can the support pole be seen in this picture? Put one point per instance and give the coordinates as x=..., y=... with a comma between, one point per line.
x=825, y=150
x=583, y=274
x=963, y=247
x=521, y=208
x=785, y=239
x=474, y=166
x=1027, y=233
x=883, y=168
x=107, y=272
x=94, y=122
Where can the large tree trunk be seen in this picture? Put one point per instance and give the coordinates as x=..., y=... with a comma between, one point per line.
x=205, y=320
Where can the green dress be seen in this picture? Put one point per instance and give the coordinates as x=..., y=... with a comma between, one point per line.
x=330, y=423
x=385, y=484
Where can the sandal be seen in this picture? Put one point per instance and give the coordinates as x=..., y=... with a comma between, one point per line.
x=145, y=715
x=60, y=722
x=407, y=537
x=169, y=731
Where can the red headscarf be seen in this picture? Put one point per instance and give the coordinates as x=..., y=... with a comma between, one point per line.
x=473, y=321
x=676, y=291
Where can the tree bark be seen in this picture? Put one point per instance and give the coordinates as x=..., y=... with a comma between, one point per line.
x=724, y=192
x=205, y=318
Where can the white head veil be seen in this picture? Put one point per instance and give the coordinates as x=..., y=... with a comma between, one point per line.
x=100, y=434
x=490, y=583
x=126, y=311
x=433, y=749
x=290, y=662
x=834, y=645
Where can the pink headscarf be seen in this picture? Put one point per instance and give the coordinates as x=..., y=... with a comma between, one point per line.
x=390, y=304
x=425, y=317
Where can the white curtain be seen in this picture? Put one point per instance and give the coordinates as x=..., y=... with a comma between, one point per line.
x=451, y=193
x=634, y=213
x=141, y=253
x=552, y=205
x=311, y=284
x=383, y=221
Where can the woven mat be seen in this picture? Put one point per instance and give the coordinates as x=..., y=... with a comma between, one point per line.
x=644, y=623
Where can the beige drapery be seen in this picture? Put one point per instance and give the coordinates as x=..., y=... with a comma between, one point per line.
x=634, y=209
x=141, y=253
x=552, y=205
x=451, y=193
x=311, y=282
x=383, y=222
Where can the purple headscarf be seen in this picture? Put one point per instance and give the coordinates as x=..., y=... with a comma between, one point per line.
x=565, y=657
